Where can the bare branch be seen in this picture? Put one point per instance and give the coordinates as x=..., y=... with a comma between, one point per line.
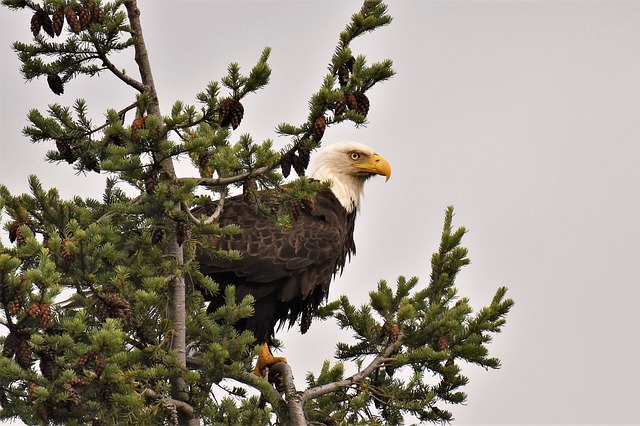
x=216, y=214
x=120, y=74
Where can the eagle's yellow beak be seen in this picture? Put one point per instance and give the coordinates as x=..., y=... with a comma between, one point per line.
x=375, y=164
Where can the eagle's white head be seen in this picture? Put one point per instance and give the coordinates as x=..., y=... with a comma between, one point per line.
x=348, y=165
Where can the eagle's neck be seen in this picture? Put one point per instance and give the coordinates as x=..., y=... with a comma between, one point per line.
x=346, y=188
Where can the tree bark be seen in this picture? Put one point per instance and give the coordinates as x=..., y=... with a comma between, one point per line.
x=176, y=311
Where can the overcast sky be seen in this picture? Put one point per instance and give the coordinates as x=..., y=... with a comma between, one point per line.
x=525, y=116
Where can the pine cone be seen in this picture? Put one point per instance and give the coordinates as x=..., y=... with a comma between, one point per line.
x=224, y=111
x=42, y=412
x=46, y=368
x=98, y=362
x=117, y=307
x=55, y=84
x=136, y=126
x=305, y=156
x=305, y=319
x=72, y=20
x=230, y=111
x=16, y=304
x=285, y=164
x=13, y=231
x=349, y=63
x=107, y=395
x=34, y=310
x=157, y=235
x=47, y=25
x=84, y=359
x=150, y=181
x=97, y=13
x=319, y=127
x=351, y=101
x=86, y=16
x=66, y=151
x=31, y=388
x=183, y=231
x=145, y=335
x=362, y=102
x=340, y=106
x=236, y=114
x=298, y=165
x=203, y=160
x=58, y=21
x=443, y=343
x=66, y=252
x=23, y=353
x=36, y=25
x=170, y=410
x=74, y=397
x=395, y=333
x=45, y=313
x=10, y=345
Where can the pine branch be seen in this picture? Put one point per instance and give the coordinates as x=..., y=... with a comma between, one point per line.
x=377, y=362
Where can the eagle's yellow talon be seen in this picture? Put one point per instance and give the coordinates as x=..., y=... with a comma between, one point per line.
x=266, y=360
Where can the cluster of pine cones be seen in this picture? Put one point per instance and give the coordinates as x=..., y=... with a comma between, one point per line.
x=299, y=161
x=230, y=111
x=78, y=19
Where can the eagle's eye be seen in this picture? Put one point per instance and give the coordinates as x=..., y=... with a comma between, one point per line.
x=355, y=155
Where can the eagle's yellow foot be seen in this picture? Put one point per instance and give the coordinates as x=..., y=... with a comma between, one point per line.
x=266, y=360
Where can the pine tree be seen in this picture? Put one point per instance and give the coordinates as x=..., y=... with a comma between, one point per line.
x=94, y=294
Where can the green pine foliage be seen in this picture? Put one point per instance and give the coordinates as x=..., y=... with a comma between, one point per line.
x=88, y=301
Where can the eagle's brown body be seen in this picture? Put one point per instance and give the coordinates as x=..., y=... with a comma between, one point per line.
x=288, y=269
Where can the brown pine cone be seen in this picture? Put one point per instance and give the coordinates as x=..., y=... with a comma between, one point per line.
x=85, y=17
x=84, y=359
x=362, y=101
x=72, y=20
x=36, y=25
x=285, y=164
x=106, y=394
x=395, y=333
x=66, y=151
x=98, y=362
x=319, y=127
x=224, y=111
x=47, y=25
x=66, y=252
x=237, y=112
x=305, y=157
x=97, y=14
x=136, y=126
x=306, y=319
x=352, y=102
x=157, y=235
x=298, y=165
x=23, y=353
x=443, y=343
x=13, y=231
x=74, y=397
x=10, y=345
x=16, y=304
x=58, y=21
x=45, y=313
x=183, y=231
x=55, y=84
x=46, y=368
x=340, y=106
x=34, y=310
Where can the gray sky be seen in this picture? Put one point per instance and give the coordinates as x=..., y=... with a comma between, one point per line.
x=523, y=115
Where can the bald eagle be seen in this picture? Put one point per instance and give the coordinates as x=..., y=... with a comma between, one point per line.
x=288, y=270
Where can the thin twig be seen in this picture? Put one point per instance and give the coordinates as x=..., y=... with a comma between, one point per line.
x=180, y=405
